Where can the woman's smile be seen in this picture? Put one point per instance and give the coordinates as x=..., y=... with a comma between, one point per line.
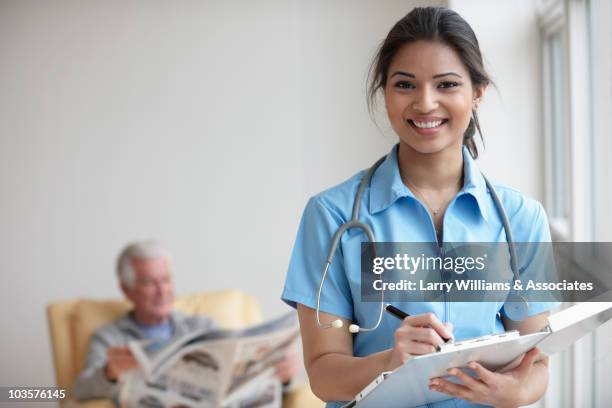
x=427, y=125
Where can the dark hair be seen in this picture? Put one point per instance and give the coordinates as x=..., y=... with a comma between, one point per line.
x=433, y=24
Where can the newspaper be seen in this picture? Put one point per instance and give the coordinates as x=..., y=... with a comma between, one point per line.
x=220, y=368
x=264, y=391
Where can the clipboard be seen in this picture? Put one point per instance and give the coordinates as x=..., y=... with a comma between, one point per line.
x=407, y=386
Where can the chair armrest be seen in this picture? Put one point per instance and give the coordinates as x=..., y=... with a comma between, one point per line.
x=301, y=396
x=298, y=397
x=95, y=403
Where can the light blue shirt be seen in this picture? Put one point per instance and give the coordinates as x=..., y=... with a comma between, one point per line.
x=395, y=215
x=159, y=334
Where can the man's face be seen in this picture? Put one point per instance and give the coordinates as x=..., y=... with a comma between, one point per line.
x=153, y=292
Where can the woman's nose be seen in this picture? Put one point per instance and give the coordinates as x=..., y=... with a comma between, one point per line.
x=425, y=100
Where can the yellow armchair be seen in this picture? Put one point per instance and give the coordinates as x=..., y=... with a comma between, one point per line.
x=71, y=324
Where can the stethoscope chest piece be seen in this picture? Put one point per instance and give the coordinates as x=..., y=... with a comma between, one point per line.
x=516, y=307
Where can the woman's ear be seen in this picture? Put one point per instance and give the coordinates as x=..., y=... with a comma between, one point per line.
x=478, y=96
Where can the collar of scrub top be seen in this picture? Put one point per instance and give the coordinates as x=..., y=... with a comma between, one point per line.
x=387, y=186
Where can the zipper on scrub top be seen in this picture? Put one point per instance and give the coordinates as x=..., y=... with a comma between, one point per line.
x=446, y=316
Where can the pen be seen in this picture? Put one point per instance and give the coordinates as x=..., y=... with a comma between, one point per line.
x=400, y=314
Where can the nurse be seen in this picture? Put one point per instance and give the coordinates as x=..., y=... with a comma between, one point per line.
x=430, y=72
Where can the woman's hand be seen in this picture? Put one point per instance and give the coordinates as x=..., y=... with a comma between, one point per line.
x=418, y=334
x=490, y=388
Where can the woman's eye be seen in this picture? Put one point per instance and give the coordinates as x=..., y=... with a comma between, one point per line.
x=448, y=84
x=404, y=85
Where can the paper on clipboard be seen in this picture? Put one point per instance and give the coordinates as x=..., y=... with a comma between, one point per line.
x=408, y=385
x=571, y=324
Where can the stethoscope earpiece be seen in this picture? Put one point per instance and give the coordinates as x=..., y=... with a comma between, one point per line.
x=336, y=324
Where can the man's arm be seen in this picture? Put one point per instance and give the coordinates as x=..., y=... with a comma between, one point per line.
x=92, y=382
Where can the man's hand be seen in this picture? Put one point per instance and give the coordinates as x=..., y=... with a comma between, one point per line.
x=118, y=360
x=288, y=367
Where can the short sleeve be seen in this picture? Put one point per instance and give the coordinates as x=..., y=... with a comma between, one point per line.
x=536, y=259
x=317, y=227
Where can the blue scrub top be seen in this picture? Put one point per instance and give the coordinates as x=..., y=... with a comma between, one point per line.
x=395, y=215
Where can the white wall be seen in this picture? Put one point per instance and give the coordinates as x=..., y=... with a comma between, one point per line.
x=510, y=115
x=205, y=124
x=337, y=42
x=128, y=120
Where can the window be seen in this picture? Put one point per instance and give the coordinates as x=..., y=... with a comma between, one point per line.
x=559, y=143
x=555, y=124
x=569, y=152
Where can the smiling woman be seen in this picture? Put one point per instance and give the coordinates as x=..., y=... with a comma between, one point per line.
x=430, y=72
x=429, y=96
x=434, y=52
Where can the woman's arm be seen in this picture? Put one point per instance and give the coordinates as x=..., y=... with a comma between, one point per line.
x=336, y=375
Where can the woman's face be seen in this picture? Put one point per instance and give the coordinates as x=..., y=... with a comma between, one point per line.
x=429, y=96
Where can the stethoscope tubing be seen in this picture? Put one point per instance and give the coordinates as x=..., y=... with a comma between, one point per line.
x=355, y=223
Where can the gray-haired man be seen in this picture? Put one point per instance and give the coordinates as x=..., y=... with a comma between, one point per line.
x=145, y=279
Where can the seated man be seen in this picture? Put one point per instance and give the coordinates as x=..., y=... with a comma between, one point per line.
x=144, y=275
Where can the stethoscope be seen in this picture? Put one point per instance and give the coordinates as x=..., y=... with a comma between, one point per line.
x=515, y=306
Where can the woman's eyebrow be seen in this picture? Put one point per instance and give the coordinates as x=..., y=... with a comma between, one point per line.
x=445, y=74
x=408, y=74
x=411, y=75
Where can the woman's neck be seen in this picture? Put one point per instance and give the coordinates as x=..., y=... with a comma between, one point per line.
x=442, y=170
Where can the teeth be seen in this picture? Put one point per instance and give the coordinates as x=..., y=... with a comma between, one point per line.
x=427, y=125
